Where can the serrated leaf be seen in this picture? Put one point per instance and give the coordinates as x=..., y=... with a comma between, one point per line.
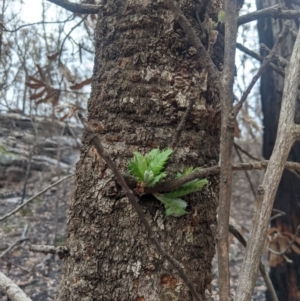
x=138, y=166
x=148, y=177
x=221, y=16
x=157, y=178
x=157, y=160
x=174, y=207
x=187, y=171
x=187, y=188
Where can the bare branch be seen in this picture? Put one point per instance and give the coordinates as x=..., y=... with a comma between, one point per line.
x=240, y=237
x=75, y=26
x=227, y=137
x=12, y=290
x=13, y=245
x=289, y=245
x=246, y=172
x=95, y=140
x=266, y=61
x=286, y=136
x=76, y=7
x=202, y=173
x=245, y=152
x=71, y=18
x=274, y=11
x=61, y=251
x=34, y=197
x=258, y=57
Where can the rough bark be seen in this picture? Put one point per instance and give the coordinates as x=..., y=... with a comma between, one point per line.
x=288, y=195
x=145, y=74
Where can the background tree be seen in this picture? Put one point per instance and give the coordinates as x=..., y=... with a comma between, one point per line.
x=284, y=275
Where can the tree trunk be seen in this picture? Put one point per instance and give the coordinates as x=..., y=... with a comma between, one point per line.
x=145, y=74
x=285, y=276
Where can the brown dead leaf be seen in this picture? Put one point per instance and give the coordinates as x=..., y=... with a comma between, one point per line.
x=82, y=84
x=66, y=72
x=52, y=57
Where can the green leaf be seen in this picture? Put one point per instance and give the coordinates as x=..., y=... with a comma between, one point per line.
x=173, y=207
x=138, y=166
x=187, y=188
x=157, y=160
x=221, y=16
x=148, y=177
x=158, y=178
x=190, y=187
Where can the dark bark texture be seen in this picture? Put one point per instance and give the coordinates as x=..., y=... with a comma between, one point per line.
x=286, y=276
x=145, y=74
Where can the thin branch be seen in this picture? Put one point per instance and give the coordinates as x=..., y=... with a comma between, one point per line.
x=258, y=57
x=61, y=251
x=202, y=173
x=266, y=61
x=64, y=40
x=245, y=152
x=12, y=290
x=16, y=265
x=246, y=172
x=17, y=242
x=281, y=60
x=95, y=140
x=286, y=136
x=240, y=237
x=274, y=11
x=182, y=123
x=227, y=137
x=34, y=197
x=76, y=7
x=71, y=18
x=289, y=245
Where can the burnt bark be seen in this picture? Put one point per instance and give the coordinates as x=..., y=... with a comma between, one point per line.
x=284, y=276
x=146, y=72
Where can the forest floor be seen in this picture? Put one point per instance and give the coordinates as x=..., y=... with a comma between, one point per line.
x=43, y=222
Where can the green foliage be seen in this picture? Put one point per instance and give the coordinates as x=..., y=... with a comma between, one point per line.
x=173, y=206
x=221, y=16
x=149, y=170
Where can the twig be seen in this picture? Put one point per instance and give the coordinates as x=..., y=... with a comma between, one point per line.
x=289, y=245
x=274, y=11
x=70, y=18
x=245, y=152
x=12, y=290
x=258, y=57
x=276, y=216
x=265, y=63
x=214, y=170
x=16, y=265
x=61, y=251
x=76, y=7
x=281, y=60
x=18, y=241
x=227, y=137
x=246, y=172
x=35, y=196
x=30, y=155
x=240, y=237
x=63, y=42
x=287, y=134
x=95, y=140
x=182, y=123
